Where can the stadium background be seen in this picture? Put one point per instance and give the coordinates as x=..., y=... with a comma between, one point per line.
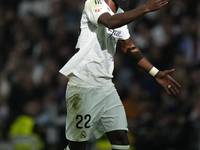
x=37, y=37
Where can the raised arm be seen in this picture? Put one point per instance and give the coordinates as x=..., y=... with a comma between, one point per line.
x=162, y=77
x=121, y=19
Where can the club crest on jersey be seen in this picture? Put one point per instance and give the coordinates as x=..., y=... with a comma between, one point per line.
x=83, y=134
x=97, y=2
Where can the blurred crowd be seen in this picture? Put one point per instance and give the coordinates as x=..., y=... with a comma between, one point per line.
x=37, y=37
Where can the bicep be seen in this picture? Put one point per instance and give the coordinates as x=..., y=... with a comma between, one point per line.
x=104, y=19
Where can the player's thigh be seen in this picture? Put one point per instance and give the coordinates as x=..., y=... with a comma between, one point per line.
x=77, y=145
x=84, y=110
x=118, y=137
x=115, y=123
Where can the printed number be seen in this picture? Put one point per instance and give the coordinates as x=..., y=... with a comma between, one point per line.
x=80, y=118
x=89, y=118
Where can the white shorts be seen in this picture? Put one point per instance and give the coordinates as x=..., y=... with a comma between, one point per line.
x=93, y=110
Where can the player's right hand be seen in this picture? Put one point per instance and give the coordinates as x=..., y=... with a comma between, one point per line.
x=153, y=5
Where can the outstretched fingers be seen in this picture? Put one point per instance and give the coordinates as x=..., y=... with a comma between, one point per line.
x=169, y=71
x=167, y=90
x=172, y=86
x=175, y=85
x=164, y=2
x=173, y=89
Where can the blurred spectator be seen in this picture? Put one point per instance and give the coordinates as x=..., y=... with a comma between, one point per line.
x=23, y=130
x=132, y=102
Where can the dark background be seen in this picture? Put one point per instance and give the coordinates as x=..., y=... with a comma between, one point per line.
x=37, y=37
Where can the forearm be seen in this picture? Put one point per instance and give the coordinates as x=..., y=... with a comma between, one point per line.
x=121, y=19
x=145, y=64
x=137, y=57
x=118, y=20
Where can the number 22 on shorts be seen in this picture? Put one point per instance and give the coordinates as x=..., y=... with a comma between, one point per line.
x=80, y=118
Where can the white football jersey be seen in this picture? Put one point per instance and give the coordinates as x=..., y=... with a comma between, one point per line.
x=94, y=62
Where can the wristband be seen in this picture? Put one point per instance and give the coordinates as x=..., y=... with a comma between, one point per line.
x=153, y=71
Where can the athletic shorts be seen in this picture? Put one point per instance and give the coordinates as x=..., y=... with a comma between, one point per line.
x=93, y=110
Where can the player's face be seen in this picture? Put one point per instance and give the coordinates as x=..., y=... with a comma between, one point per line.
x=122, y=3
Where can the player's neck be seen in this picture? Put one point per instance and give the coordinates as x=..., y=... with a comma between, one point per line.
x=112, y=5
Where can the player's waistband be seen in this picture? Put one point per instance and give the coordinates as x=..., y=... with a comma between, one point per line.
x=91, y=82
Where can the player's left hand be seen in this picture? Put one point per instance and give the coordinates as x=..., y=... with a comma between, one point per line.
x=166, y=81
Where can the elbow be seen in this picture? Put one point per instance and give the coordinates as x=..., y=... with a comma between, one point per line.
x=111, y=24
x=112, y=27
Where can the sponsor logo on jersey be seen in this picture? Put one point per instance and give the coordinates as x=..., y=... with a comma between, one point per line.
x=98, y=8
x=98, y=2
x=114, y=33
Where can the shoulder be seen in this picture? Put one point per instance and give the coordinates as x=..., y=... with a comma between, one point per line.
x=90, y=4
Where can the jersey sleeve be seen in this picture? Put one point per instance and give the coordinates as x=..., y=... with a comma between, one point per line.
x=124, y=33
x=124, y=29
x=94, y=9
